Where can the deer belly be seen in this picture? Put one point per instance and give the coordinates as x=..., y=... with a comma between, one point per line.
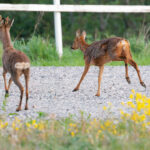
x=101, y=60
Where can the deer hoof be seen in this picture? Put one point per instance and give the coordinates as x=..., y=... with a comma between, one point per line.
x=97, y=94
x=26, y=108
x=143, y=84
x=18, y=109
x=6, y=93
x=128, y=80
x=75, y=90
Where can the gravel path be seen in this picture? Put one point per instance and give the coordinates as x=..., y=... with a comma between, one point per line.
x=51, y=91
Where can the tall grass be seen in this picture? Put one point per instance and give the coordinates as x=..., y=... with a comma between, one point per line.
x=42, y=52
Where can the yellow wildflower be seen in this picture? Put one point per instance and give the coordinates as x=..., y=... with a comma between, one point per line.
x=133, y=91
x=131, y=96
x=33, y=122
x=122, y=103
x=104, y=107
x=72, y=134
x=28, y=125
x=16, y=128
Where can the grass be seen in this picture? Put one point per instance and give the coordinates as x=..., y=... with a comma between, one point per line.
x=131, y=130
x=42, y=52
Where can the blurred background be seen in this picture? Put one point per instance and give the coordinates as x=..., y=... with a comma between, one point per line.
x=34, y=26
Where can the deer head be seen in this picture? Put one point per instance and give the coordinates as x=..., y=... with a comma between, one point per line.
x=8, y=22
x=79, y=39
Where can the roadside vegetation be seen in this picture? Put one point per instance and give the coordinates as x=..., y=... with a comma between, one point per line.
x=129, y=131
x=42, y=52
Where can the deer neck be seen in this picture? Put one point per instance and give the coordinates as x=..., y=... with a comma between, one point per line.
x=6, y=39
x=83, y=45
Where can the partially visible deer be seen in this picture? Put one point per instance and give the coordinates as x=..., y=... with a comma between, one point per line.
x=15, y=62
x=101, y=52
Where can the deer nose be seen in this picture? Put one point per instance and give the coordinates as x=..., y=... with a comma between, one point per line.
x=72, y=48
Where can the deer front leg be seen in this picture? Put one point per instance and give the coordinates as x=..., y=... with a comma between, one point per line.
x=9, y=83
x=101, y=69
x=86, y=68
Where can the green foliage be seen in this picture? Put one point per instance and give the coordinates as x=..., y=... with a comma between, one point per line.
x=99, y=25
x=42, y=52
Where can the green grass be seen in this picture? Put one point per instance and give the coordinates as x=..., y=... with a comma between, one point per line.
x=42, y=52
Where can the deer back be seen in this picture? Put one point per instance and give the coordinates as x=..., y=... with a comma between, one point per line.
x=101, y=48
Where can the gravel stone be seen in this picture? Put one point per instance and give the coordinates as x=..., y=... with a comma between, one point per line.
x=50, y=91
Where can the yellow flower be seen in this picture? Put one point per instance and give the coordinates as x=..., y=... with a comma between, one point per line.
x=104, y=107
x=16, y=128
x=122, y=103
x=72, y=134
x=40, y=126
x=131, y=96
x=121, y=112
x=131, y=104
x=99, y=131
x=107, y=123
x=138, y=96
x=35, y=125
x=72, y=125
x=133, y=91
x=28, y=125
x=114, y=131
x=33, y=122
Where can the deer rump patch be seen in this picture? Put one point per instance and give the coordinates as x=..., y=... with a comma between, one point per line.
x=22, y=65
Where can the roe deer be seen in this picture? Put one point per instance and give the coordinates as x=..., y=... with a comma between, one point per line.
x=15, y=62
x=101, y=52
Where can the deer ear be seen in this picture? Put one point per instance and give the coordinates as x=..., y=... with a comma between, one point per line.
x=84, y=34
x=0, y=18
x=1, y=21
x=12, y=21
x=78, y=33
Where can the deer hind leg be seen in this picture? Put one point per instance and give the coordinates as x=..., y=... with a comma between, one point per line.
x=86, y=68
x=126, y=70
x=101, y=69
x=5, y=82
x=9, y=83
x=133, y=63
x=17, y=82
x=26, y=75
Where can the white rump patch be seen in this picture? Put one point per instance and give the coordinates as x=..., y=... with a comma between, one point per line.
x=123, y=43
x=22, y=65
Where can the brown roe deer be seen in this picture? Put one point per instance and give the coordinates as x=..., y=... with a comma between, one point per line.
x=14, y=62
x=101, y=52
